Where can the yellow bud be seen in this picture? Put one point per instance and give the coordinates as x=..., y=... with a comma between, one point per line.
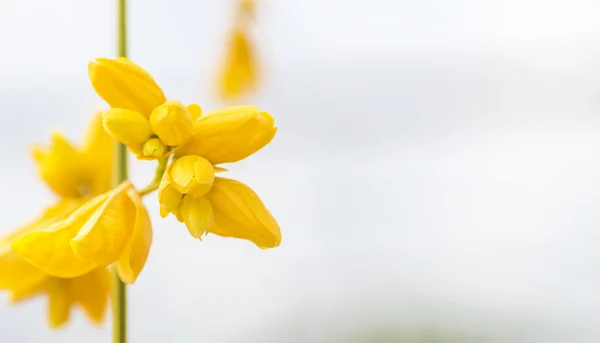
x=154, y=147
x=169, y=198
x=126, y=126
x=124, y=84
x=195, y=111
x=197, y=215
x=191, y=175
x=172, y=123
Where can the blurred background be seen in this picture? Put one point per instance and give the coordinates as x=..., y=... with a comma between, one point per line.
x=435, y=173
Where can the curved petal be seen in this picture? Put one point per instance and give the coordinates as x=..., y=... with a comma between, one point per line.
x=61, y=166
x=124, y=84
x=59, y=302
x=168, y=197
x=16, y=274
x=30, y=291
x=239, y=213
x=136, y=253
x=230, y=135
x=91, y=291
x=104, y=236
x=127, y=126
x=50, y=250
x=197, y=215
x=98, y=148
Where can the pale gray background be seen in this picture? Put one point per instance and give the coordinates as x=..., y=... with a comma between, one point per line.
x=437, y=166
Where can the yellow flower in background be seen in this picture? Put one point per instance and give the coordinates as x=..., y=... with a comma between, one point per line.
x=140, y=117
x=207, y=203
x=239, y=73
x=74, y=174
x=111, y=227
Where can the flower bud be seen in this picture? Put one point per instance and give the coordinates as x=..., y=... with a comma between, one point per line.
x=197, y=215
x=172, y=123
x=191, y=175
x=124, y=84
x=195, y=111
x=126, y=126
x=154, y=147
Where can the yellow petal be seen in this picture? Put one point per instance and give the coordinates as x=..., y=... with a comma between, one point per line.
x=31, y=291
x=197, y=215
x=123, y=84
x=126, y=126
x=168, y=198
x=239, y=213
x=62, y=167
x=98, y=148
x=104, y=236
x=191, y=175
x=230, y=135
x=50, y=249
x=195, y=111
x=16, y=274
x=59, y=303
x=136, y=253
x=91, y=291
x=172, y=123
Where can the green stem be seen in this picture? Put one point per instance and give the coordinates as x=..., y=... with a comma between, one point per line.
x=119, y=290
x=160, y=170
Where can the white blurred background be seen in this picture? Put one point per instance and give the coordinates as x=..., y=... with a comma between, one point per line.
x=435, y=174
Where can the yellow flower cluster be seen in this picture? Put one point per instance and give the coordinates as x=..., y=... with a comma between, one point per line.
x=65, y=252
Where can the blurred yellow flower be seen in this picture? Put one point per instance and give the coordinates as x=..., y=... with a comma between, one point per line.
x=206, y=203
x=74, y=174
x=111, y=227
x=239, y=73
x=140, y=117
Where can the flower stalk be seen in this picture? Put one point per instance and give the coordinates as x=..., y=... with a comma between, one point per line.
x=160, y=171
x=119, y=297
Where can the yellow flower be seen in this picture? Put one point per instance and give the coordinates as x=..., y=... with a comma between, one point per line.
x=239, y=74
x=74, y=174
x=141, y=117
x=111, y=227
x=200, y=142
x=206, y=203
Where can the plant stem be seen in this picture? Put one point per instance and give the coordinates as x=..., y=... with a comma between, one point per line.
x=160, y=170
x=119, y=291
